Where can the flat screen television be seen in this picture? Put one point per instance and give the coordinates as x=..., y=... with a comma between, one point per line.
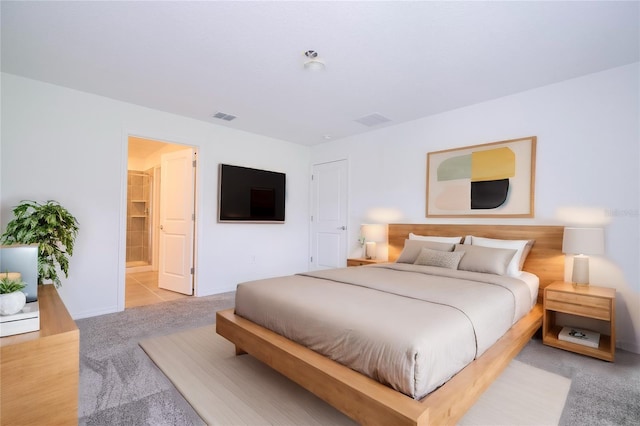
x=250, y=195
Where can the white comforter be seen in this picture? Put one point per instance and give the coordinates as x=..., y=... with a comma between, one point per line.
x=407, y=326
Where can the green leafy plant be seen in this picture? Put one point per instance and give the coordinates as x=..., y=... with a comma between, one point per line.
x=52, y=227
x=9, y=285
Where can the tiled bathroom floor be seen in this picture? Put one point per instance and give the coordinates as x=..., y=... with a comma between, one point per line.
x=142, y=289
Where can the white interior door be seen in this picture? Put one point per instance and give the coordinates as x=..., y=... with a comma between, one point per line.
x=329, y=215
x=177, y=218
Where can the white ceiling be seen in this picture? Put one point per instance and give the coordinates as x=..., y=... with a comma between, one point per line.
x=402, y=60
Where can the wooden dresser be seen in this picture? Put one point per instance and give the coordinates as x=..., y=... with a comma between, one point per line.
x=39, y=371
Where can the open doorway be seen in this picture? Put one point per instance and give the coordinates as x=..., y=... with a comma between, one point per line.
x=145, y=254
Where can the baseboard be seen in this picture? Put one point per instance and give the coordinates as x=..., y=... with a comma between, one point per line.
x=219, y=291
x=113, y=309
x=628, y=346
x=93, y=313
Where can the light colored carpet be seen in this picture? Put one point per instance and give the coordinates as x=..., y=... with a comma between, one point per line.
x=225, y=389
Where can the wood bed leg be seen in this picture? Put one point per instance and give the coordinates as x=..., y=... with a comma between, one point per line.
x=240, y=351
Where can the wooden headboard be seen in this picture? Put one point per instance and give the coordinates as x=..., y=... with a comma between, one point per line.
x=546, y=259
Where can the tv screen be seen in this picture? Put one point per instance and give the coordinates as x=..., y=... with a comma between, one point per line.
x=250, y=195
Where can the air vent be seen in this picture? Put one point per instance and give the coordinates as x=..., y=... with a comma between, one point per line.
x=372, y=120
x=223, y=116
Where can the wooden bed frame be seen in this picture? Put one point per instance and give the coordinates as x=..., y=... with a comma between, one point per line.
x=371, y=403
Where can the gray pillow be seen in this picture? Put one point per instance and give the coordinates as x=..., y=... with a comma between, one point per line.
x=412, y=249
x=442, y=259
x=484, y=259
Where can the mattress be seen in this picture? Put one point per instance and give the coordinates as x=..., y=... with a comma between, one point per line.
x=533, y=282
x=407, y=326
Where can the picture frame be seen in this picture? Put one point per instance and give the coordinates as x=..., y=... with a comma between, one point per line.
x=495, y=179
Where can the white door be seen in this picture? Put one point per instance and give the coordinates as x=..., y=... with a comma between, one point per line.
x=177, y=218
x=329, y=215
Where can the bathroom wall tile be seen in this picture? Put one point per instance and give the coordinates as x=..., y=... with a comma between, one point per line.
x=138, y=188
x=136, y=253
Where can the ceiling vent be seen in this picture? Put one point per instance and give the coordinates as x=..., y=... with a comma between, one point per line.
x=223, y=116
x=372, y=120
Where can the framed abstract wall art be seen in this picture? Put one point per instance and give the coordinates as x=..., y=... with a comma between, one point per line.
x=489, y=180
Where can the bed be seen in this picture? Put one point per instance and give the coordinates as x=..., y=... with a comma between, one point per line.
x=383, y=401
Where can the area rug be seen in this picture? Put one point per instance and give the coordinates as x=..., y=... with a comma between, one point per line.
x=225, y=389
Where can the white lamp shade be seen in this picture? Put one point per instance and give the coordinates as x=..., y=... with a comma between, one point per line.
x=374, y=232
x=583, y=241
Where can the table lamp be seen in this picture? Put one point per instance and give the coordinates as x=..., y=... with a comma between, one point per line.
x=581, y=242
x=373, y=233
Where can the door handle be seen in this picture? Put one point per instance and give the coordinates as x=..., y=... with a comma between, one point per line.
x=161, y=227
x=342, y=228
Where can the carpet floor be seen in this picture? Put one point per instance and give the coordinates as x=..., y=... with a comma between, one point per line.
x=121, y=385
x=226, y=389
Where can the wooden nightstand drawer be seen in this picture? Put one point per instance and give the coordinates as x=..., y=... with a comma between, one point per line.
x=570, y=308
x=578, y=299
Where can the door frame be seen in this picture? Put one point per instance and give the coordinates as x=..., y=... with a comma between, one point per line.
x=122, y=235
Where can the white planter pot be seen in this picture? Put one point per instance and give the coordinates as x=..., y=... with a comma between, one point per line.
x=12, y=303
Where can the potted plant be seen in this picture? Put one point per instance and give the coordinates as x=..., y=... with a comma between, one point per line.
x=12, y=299
x=52, y=227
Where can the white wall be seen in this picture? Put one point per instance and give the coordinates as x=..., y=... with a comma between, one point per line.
x=70, y=146
x=587, y=157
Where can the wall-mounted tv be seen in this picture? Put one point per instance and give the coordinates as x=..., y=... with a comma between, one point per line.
x=250, y=195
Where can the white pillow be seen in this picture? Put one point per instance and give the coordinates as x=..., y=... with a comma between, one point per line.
x=448, y=240
x=515, y=265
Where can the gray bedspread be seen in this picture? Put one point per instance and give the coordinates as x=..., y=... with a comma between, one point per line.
x=407, y=326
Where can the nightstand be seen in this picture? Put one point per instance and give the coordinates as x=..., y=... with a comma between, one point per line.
x=359, y=261
x=582, y=301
